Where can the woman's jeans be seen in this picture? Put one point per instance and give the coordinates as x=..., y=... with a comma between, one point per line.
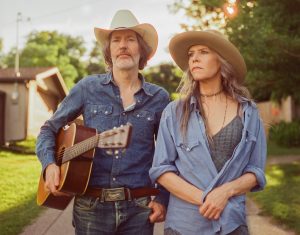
x=91, y=217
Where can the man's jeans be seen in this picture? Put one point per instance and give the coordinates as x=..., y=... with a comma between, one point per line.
x=91, y=217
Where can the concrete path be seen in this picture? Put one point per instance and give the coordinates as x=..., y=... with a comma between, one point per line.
x=55, y=222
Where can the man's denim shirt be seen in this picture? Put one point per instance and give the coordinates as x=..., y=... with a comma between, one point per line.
x=97, y=98
x=190, y=158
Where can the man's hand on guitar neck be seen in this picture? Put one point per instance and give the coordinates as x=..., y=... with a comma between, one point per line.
x=52, y=179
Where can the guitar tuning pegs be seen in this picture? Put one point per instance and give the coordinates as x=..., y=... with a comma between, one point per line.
x=109, y=152
x=116, y=152
x=123, y=151
x=119, y=143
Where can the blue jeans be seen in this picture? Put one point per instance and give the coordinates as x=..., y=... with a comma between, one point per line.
x=91, y=217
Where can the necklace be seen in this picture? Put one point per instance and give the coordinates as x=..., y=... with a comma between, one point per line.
x=224, y=113
x=214, y=94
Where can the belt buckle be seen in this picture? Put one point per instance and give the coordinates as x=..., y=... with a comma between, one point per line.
x=114, y=194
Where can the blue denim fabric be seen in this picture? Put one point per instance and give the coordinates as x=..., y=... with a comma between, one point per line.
x=190, y=158
x=92, y=217
x=97, y=98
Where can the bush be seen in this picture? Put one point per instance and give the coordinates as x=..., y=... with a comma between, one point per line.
x=286, y=134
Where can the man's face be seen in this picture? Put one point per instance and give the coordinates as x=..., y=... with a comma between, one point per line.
x=124, y=49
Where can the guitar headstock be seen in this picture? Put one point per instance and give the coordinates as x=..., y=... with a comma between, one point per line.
x=115, y=138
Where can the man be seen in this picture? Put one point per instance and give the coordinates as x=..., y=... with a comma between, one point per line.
x=106, y=101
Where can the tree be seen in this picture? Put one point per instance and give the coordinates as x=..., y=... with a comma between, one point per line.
x=1, y=54
x=96, y=63
x=267, y=34
x=165, y=75
x=47, y=48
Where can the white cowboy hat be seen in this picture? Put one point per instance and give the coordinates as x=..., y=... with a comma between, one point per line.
x=180, y=44
x=124, y=19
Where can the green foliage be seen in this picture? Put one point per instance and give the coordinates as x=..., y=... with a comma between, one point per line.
x=280, y=199
x=286, y=134
x=19, y=174
x=49, y=48
x=96, y=62
x=267, y=34
x=165, y=75
x=281, y=151
x=1, y=54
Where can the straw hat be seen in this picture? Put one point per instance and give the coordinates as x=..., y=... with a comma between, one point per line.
x=180, y=44
x=124, y=19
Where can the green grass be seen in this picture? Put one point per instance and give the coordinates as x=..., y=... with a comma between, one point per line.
x=281, y=199
x=19, y=174
x=275, y=150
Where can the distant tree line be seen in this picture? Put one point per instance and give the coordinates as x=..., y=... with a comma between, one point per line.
x=68, y=53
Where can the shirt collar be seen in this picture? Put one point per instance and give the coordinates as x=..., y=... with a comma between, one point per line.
x=145, y=86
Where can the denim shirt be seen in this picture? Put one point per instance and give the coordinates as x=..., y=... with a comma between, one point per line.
x=190, y=158
x=98, y=99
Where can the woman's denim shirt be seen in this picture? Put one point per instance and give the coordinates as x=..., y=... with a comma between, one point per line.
x=190, y=158
x=98, y=99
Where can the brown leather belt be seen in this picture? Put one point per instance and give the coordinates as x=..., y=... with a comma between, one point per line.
x=119, y=194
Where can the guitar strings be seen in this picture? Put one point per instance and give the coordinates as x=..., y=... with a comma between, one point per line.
x=71, y=150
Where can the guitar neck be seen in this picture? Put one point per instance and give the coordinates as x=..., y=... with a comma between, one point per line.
x=80, y=148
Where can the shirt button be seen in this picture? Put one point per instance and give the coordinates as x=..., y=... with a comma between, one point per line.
x=114, y=179
x=188, y=149
x=138, y=101
x=124, y=114
x=95, y=111
x=149, y=119
x=138, y=115
x=106, y=112
x=117, y=157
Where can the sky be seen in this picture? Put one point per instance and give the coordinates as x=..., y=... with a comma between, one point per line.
x=79, y=17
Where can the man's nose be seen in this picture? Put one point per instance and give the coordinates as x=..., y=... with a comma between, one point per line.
x=123, y=44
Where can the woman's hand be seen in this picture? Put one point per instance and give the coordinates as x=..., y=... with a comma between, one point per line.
x=215, y=202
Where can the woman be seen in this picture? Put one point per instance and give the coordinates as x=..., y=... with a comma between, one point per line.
x=211, y=146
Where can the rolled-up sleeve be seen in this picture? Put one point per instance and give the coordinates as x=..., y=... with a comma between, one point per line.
x=257, y=160
x=165, y=150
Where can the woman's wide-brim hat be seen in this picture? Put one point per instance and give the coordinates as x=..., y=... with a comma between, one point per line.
x=181, y=43
x=124, y=19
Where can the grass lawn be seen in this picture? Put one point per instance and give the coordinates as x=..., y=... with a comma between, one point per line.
x=280, y=199
x=277, y=151
x=19, y=175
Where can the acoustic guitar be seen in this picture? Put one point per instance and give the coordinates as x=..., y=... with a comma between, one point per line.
x=75, y=148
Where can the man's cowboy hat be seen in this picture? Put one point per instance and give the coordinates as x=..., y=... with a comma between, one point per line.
x=180, y=44
x=124, y=19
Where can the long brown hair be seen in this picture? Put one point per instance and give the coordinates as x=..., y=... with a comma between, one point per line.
x=189, y=88
x=145, y=51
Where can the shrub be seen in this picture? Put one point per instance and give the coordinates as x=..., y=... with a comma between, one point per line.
x=286, y=134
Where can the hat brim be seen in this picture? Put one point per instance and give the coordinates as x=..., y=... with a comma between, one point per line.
x=146, y=31
x=180, y=44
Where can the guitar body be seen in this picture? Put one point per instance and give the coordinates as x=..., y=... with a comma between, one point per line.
x=74, y=174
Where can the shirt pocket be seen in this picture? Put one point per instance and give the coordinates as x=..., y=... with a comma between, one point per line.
x=99, y=116
x=187, y=147
x=143, y=123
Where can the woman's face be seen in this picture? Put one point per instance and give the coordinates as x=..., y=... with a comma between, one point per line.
x=203, y=63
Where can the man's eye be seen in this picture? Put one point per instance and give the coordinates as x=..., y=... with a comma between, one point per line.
x=204, y=52
x=190, y=55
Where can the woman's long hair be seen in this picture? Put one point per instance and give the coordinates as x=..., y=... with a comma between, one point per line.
x=189, y=88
